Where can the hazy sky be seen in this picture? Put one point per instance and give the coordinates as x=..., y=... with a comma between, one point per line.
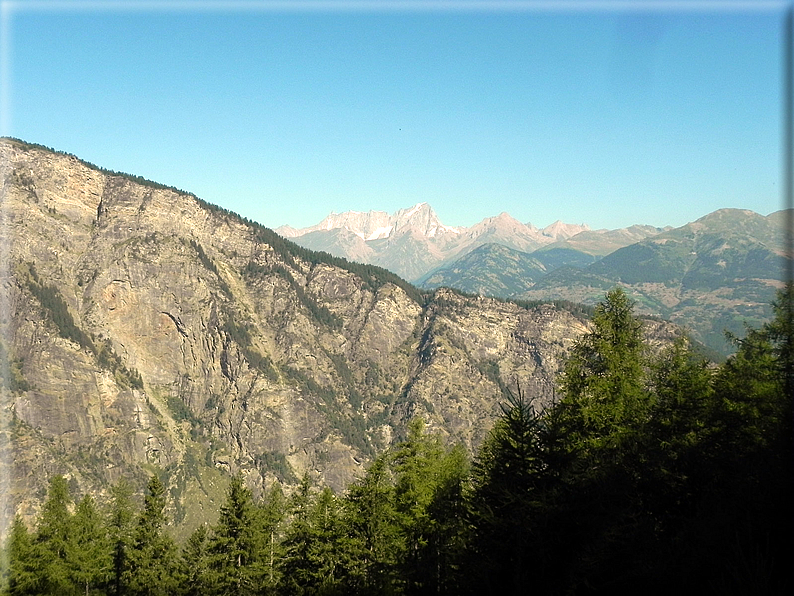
x=608, y=114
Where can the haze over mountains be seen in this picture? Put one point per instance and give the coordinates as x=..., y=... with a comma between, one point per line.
x=146, y=330
x=413, y=242
x=712, y=275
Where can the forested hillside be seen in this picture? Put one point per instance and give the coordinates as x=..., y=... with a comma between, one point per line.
x=653, y=472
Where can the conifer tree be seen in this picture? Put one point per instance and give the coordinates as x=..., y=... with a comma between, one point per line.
x=297, y=567
x=332, y=548
x=236, y=544
x=24, y=575
x=679, y=429
x=52, y=539
x=153, y=554
x=747, y=480
x=754, y=406
x=317, y=551
x=416, y=464
x=120, y=524
x=448, y=532
x=372, y=522
x=88, y=554
x=270, y=514
x=504, y=503
x=605, y=400
x=420, y=467
x=194, y=564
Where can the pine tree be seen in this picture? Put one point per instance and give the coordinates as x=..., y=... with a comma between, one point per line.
x=591, y=518
x=679, y=431
x=605, y=400
x=507, y=475
x=332, y=549
x=425, y=476
x=88, y=553
x=236, y=544
x=780, y=332
x=153, y=554
x=270, y=515
x=415, y=464
x=297, y=567
x=747, y=485
x=120, y=524
x=194, y=563
x=317, y=549
x=755, y=407
x=372, y=521
x=449, y=527
x=52, y=539
x=24, y=575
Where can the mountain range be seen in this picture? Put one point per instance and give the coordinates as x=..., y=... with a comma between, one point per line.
x=715, y=274
x=145, y=331
x=413, y=242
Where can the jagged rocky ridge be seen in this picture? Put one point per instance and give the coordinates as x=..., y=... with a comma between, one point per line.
x=413, y=242
x=416, y=245
x=145, y=331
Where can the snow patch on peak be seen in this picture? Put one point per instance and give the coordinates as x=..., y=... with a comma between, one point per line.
x=382, y=232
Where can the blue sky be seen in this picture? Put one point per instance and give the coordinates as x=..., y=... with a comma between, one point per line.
x=608, y=114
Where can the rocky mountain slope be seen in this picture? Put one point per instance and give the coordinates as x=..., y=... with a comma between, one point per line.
x=711, y=275
x=737, y=262
x=145, y=331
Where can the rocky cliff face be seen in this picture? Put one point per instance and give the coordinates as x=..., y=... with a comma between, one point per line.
x=146, y=331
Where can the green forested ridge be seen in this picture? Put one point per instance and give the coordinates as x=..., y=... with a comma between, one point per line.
x=708, y=275
x=652, y=473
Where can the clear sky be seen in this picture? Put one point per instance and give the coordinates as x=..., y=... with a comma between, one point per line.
x=608, y=114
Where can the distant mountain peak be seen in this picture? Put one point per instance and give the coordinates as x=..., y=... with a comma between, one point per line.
x=377, y=225
x=413, y=241
x=562, y=231
x=416, y=208
x=422, y=219
x=505, y=217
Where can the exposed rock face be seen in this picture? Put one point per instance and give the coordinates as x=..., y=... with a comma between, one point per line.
x=145, y=330
x=413, y=242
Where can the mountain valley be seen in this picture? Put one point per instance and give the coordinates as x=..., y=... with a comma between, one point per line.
x=715, y=274
x=145, y=331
